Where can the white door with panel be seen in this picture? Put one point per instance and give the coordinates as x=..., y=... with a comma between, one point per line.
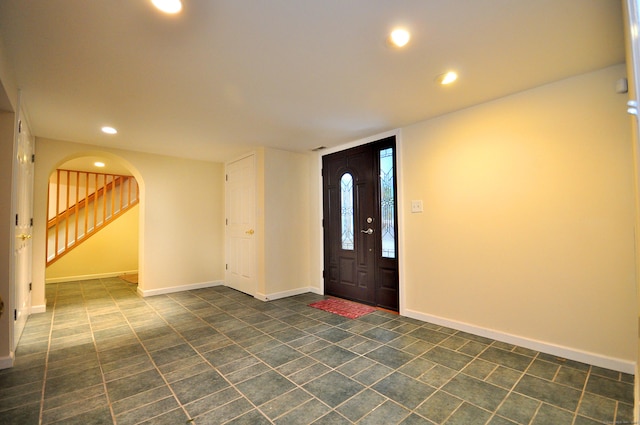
x=23, y=229
x=240, y=197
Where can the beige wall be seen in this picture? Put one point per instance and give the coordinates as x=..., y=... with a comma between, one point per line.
x=528, y=222
x=283, y=229
x=286, y=211
x=181, y=235
x=110, y=252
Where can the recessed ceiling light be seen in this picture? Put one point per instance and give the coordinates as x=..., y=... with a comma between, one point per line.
x=99, y=164
x=109, y=130
x=399, y=37
x=168, y=6
x=447, y=78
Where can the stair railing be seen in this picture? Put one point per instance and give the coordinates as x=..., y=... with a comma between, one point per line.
x=81, y=203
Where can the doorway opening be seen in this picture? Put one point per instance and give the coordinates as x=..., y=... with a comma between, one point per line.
x=361, y=224
x=92, y=220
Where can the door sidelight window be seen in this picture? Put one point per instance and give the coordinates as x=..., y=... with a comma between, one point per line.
x=346, y=208
x=387, y=204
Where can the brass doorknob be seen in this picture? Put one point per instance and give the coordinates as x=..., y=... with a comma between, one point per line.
x=24, y=237
x=250, y=232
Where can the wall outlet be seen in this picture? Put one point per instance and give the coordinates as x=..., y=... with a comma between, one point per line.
x=416, y=206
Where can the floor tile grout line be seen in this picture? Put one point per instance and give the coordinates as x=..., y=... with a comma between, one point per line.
x=95, y=346
x=46, y=361
x=199, y=354
x=458, y=372
x=331, y=326
x=513, y=387
x=510, y=391
x=297, y=386
x=411, y=411
x=584, y=390
x=317, y=329
x=148, y=354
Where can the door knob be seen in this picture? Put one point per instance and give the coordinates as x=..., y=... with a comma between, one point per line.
x=24, y=237
x=250, y=232
x=368, y=231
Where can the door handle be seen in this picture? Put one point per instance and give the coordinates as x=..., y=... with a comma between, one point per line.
x=24, y=237
x=250, y=232
x=368, y=231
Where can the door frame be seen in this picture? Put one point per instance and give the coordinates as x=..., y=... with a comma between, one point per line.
x=20, y=283
x=399, y=205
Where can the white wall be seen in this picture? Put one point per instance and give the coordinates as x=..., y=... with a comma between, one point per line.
x=181, y=216
x=528, y=223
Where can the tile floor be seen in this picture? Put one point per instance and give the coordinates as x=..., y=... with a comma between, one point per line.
x=103, y=355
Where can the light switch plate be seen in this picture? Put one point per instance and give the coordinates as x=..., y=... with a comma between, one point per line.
x=416, y=206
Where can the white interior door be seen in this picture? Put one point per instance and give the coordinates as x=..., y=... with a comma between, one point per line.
x=240, y=194
x=23, y=230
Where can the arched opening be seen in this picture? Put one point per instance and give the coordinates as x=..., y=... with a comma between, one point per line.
x=93, y=219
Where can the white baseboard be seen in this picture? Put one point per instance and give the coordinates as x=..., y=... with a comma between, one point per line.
x=35, y=309
x=172, y=289
x=317, y=291
x=544, y=347
x=283, y=294
x=7, y=361
x=89, y=276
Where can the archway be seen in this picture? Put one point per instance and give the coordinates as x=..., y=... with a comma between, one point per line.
x=93, y=218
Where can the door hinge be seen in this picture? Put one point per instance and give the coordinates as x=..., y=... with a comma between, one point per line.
x=30, y=285
x=323, y=273
x=226, y=267
x=31, y=222
x=15, y=314
x=226, y=221
x=33, y=157
x=19, y=126
x=16, y=219
x=226, y=177
x=323, y=222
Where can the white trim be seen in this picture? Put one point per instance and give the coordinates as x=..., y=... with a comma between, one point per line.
x=359, y=142
x=401, y=210
x=35, y=309
x=285, y=294
x=7, y=361
x=172, y=289
x=88, y=276
x=594, y=359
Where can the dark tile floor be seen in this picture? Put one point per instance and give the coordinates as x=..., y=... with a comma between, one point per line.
x=103, y=355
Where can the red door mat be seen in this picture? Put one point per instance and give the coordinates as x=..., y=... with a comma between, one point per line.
x=343, y=308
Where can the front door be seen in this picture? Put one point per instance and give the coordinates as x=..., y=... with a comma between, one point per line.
x=240, y=195
x=360, y=223
x=23, y=228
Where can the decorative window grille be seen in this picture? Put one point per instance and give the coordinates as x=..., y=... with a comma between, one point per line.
x=387, y=204
x=346, y=210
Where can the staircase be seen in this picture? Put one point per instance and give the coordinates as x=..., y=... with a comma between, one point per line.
x=81, y=203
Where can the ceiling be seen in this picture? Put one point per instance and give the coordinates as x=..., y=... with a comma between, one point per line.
x=226, y=76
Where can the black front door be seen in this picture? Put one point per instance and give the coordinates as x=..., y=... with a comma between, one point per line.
x=360, y=222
